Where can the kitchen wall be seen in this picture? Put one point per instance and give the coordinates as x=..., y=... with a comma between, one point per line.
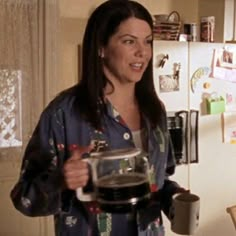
x=74, y=16
x=83, y=8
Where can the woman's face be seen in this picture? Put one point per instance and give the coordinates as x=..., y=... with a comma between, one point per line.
x=128, y=52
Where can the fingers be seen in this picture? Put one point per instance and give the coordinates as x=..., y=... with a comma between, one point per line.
x=76, y=178
x=183, y=190
x=75, y=170
x=78, y=151
x=75, y=173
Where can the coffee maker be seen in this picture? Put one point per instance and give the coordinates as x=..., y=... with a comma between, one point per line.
x=183, y=128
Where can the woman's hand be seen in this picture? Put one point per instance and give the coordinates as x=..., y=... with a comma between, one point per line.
x=75, y=170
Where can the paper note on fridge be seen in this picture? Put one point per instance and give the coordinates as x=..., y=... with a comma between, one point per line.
x=224, y=66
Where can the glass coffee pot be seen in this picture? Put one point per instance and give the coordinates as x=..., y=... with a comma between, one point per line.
x=118, y=181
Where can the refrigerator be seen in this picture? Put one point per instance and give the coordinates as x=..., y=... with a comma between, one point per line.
x=197, y=83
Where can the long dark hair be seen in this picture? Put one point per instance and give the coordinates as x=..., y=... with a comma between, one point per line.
x=102, y=24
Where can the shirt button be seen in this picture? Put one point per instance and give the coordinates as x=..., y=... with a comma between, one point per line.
x=126, y=136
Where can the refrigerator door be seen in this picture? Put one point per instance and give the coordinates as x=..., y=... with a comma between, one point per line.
x=213, y=178
x=171, y=65
x=171, y=74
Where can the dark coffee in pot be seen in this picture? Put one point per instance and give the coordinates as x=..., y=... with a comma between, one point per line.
x=121, y=193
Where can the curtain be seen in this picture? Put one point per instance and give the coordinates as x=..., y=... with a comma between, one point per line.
x=28, y=71
x=28, y=50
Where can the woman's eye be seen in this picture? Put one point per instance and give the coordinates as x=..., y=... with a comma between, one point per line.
x=128, y=41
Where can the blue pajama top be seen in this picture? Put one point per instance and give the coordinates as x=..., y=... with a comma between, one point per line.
x=39, y=190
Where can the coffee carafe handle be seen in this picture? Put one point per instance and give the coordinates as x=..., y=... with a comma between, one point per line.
x=83, y=195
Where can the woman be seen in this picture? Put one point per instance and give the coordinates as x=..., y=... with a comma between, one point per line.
x=114, y=106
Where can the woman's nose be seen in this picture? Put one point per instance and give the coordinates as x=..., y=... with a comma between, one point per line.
x=142, y=49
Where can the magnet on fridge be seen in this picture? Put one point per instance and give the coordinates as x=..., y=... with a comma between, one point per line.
x=215, y=104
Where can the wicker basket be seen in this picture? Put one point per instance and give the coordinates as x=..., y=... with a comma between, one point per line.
x=168, y=29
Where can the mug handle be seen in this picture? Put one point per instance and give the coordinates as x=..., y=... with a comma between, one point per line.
x=87, y=196
x=171, y=213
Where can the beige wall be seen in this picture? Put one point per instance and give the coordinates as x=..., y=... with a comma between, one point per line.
x=74, y=14
x=82, y=8
x=214, y=8
x=73, y=18
x=71, y=33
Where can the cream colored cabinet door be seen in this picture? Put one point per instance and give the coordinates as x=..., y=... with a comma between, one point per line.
x=16, y=128
x=13, y=223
